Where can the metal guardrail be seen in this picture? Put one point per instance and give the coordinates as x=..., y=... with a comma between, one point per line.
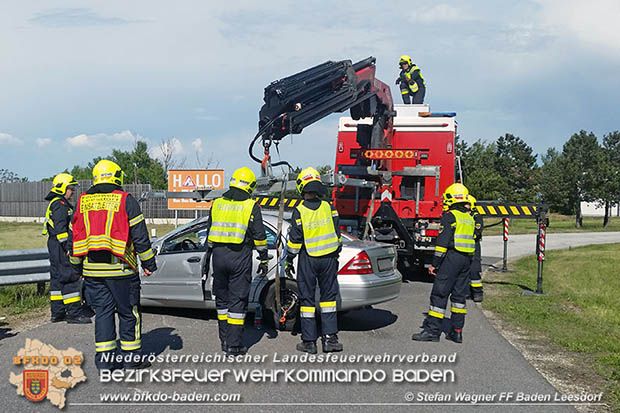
x=25, y=267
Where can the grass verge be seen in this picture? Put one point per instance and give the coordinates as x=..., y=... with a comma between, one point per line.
x=22, y=299
x=18, y=299
x=581, y=315
x=19, y=236
x=557, y=224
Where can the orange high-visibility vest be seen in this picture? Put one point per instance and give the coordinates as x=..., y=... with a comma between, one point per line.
x=100, y=223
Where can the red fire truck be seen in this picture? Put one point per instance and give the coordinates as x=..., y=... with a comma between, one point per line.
x=393, y=162
x=414, y=166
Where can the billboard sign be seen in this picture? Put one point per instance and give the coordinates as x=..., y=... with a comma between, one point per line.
x=187, y=180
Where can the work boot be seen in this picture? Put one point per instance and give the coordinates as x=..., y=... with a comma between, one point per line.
x=236, y=350
x=307, y=347
x=424, y=336
x=456, y=336
x=79, y=320
x=477, y=297
x=58, y=318
x=331, y=344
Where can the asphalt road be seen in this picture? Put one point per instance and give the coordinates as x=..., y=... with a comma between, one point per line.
x=485, y=363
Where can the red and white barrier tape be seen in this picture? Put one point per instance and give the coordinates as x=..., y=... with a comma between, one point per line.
x=541, y=243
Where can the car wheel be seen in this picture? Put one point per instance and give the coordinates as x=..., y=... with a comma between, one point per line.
x=290, y=301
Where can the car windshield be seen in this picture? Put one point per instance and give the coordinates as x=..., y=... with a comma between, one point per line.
x=185, y=226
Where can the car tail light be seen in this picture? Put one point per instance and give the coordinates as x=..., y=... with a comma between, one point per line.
x=432, y=232
x=360, y=264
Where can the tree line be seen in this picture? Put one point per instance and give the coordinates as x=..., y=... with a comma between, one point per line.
x=506, y=169
x=509, y=170
x=138, y=165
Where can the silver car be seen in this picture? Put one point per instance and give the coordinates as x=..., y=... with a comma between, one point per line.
x=367, y=273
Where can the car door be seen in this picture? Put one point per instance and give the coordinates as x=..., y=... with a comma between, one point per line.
x=179, y=268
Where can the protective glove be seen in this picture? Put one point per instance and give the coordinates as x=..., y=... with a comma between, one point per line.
x=289, y=269
x=398, y=80
x=263, y=267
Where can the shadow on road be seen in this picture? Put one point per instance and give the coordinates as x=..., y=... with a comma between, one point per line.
x=366, y=319
x=523, y=287
x=197, y=314
x=251, y=335
x=160, y=339
x=5, y=332
x=414, y=274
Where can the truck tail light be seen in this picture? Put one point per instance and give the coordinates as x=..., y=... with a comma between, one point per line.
x=432, y=232
x=360, y=264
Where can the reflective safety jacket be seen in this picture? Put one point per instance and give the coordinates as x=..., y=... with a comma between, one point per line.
x=229, y=220
x=57, y=221
x=413, y=77
x=315, y=228
x=456, y=232
x=235, y=219
x=108, y=230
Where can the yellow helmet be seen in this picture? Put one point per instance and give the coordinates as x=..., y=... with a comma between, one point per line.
x=472, y=202
x=455, y=194
x=108, y=172
x=404, y=59
x=307, y=176
x=61, y=182
x=244, y=179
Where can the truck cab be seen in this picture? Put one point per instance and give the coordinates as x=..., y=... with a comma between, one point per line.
x=413, y=166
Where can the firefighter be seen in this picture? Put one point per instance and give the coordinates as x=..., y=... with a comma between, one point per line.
x=412, y=86
x=108, y=230
x=454, y=249
x=235, y=227
x=65, y=285
x=475, y=274
x=315, y=235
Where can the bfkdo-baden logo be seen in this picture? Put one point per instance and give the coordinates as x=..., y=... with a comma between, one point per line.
x=48, y=373
x=36, y=383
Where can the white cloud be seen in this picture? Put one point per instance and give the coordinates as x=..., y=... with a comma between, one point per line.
x=41, y=142
x=173, y=147
x=103, y=139
x=6, y=139
x=594, y=23
x=197, y=144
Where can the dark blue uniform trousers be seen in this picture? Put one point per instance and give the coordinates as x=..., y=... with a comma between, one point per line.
x=323, y=270
x=451, y=281
x=108, y=295
x=232, y=276
x=65, y=288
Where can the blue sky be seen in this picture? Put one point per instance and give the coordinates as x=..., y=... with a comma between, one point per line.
x=82, y=78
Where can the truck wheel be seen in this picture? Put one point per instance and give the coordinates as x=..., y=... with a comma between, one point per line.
x=290, y=300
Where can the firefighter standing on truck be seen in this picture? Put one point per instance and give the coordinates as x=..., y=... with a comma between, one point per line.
x=475, y=274
x=412, y=86
x=454, y=249
x=108, y=230
x=315, y=235
x=235, y=227
x=65, y=285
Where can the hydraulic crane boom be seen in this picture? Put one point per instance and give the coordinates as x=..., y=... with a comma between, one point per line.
x=297, y=101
